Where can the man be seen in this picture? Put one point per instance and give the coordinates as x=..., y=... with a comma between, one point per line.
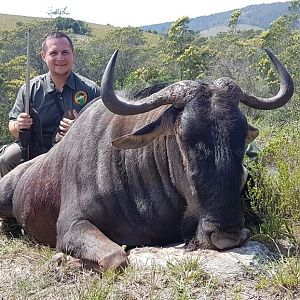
x=52, y=95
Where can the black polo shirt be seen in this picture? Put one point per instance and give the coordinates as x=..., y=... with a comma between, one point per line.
x=77, y=92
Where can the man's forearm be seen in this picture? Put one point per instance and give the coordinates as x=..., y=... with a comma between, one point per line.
x=13, y=128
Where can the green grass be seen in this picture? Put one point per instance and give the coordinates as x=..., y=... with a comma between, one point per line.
x=188, y=279
x=99, y=30
x=27, y=271
x=276, y=191
x=282, y=275
x=11, y=21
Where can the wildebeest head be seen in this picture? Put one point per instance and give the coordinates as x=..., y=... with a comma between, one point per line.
x=211, y=133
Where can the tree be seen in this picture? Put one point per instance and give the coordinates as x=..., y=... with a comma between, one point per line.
x=175, y=43
x=233, y=21
x=58, y=12
x=283, y=39
x=71, y=25
x=12, y=77
x=294, y=8
x=130, y=41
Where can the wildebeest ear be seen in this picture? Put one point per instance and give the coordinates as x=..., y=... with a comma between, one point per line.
x=137, y=139
x=142, y=137
x=252, y=134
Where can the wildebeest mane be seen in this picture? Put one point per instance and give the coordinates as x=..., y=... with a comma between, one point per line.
x=145, y=92
x=139, y=92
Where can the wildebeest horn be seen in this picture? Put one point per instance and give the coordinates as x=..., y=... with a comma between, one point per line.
x=284, y=94
x=177, y=94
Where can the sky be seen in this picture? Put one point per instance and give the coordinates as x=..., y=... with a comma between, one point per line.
x=125, y=12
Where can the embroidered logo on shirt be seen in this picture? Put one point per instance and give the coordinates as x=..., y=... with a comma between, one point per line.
x=81, y=98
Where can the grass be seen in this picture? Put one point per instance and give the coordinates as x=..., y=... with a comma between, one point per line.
x=11, y=21
x=276, y=199
x=187, y=279
x=28, y=272
x=275, y=192
x=98, y=30
x=283, y=275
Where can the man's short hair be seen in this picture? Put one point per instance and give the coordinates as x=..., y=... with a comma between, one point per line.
x=56, y=34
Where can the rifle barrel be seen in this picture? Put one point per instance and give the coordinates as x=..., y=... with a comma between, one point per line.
x=27, y=89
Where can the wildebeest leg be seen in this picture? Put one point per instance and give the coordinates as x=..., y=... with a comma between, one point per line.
x=188, y=228
x=8, y=185
x=83, y=240
x=8, y=223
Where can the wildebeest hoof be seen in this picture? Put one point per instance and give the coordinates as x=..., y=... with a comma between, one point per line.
x=62, y=260
x=227, y=240
x=117, y=260
x=112, y=261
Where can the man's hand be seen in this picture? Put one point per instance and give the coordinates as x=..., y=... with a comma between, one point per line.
x=67, y=121
x=24, y=121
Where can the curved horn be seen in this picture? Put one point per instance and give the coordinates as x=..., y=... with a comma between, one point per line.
x=284, y=94
x=177, y=94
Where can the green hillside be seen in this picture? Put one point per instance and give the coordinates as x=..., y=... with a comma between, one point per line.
x=11, y=21
x=256, y=17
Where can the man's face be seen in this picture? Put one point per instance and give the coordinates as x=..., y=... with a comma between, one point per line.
x=58, y=56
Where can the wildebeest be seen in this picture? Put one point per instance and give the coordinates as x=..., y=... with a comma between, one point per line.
x=173, y=174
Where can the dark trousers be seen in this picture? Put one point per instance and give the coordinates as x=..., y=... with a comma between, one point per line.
x=10, y=157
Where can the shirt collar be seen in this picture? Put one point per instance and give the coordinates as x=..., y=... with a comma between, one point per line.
x=50, y=87
x=49, y=83
x=71, y=81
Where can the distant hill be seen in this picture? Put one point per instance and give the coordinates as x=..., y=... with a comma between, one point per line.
x=257, y=17
x=8, y=22
x=252, y=17
x=11, y=21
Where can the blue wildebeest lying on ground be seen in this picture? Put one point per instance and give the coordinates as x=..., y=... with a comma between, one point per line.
x=173, y=174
